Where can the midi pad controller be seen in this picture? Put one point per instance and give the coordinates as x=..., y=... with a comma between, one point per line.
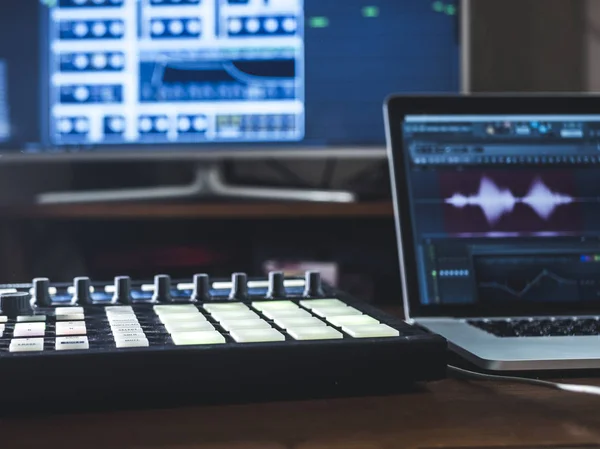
x=204, y=339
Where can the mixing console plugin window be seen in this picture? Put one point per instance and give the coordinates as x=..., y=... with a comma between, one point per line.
x=179, y=71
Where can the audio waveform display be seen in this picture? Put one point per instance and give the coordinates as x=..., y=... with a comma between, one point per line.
x=535, y=282
x=496, y=201
x=536, y=278
x=510, y=202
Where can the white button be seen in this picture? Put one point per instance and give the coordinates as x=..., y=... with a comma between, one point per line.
x=371, y=331
x=231, y=316
x=229, y=307
x=133, y=342
x=175, y=308
x=182, y=318
x=198, y=338
x=189, y=326
x=128, y=320
x=31, y=318
x=245, y=324
x=126, y=329
x=310, y=303
x=290, y=313
x=335, y=311
x=70, y=328
x=289, y=323
x=29, y=329
x=315, y=333
x=3, y=318
x=26, y=344
x=274, y=305
x=129, y=333
x=354, y=320
x=2, y=327
x=117, y=309
x=68, y=310
x=70, y=343
x=256, y=335
x=71, y=317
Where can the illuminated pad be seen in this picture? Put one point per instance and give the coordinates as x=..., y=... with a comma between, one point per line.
x=175, y=309
x=225, y=307
x=70, y=328
x=131, y=342
x=70, y=343
x=3, y=318
x=289, y=313
x=188, y=326
x=182, y=318
x=315, y=333
x=29, y=329
x=69, y=313
x=234, y=315
x=70, y=317
x=198, y=338
x=256, y=335
x=351, y=320
x=117, y=311
x=312, y=303
x=26, y=344
x=328, y=312
x=371, y=331
x=68, y=310
x=245, y=324
x=293, y=322
x=274, y=305
x=30, y=318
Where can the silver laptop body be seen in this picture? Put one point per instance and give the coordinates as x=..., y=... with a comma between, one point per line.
x=497, y=209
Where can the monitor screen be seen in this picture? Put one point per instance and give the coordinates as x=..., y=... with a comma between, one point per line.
x=504, y=208
x=95, y=75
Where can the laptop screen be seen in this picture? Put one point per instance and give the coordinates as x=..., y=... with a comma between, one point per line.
x=504, y=208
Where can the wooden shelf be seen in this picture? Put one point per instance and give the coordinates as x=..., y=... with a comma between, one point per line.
x=201, y=210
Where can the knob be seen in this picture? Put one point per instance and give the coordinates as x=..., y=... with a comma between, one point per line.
x=15, y=304
x=201, y=288
x=239, y=286
x=122, y=293
x=41, y=294
x=82, y=293
x=276, y=285
x=162, y=288
x=312, y=285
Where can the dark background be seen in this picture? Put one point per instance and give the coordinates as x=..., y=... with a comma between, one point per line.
x=516, y=46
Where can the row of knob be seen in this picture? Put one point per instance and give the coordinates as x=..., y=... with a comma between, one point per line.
x=162, y=288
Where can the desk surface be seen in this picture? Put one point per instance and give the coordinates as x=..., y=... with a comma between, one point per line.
x=447, y=414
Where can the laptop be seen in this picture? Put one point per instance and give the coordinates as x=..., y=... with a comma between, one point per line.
x=497, y=211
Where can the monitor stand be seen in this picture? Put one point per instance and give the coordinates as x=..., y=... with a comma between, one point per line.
x=208, y=182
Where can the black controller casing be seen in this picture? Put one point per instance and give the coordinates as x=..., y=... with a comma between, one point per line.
x=172, y=375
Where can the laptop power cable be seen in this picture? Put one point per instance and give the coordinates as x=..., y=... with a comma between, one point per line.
x=467, y=374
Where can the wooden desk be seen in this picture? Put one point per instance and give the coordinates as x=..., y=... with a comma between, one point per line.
x=450, y=413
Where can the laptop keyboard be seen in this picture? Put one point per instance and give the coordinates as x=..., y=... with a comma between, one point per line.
x=542, y=327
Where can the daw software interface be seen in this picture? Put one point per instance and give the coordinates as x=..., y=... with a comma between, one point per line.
x=101, y=73
x=505, y=208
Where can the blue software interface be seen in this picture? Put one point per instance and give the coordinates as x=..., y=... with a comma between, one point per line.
x=97, y=73
x=505, y=208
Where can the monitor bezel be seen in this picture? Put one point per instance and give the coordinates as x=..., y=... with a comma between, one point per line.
x=396, y=108
x=227, y=151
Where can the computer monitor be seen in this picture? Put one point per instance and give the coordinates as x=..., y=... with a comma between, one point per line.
x=218, y=78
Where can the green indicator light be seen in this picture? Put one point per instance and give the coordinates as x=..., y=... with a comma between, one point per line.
x=370, y=12
x=318, y=22
x=451, y=10
x=49, y=3
x=434, y=273
x=438, y=6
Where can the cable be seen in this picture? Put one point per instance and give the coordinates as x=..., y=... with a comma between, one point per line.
x=586, y=389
